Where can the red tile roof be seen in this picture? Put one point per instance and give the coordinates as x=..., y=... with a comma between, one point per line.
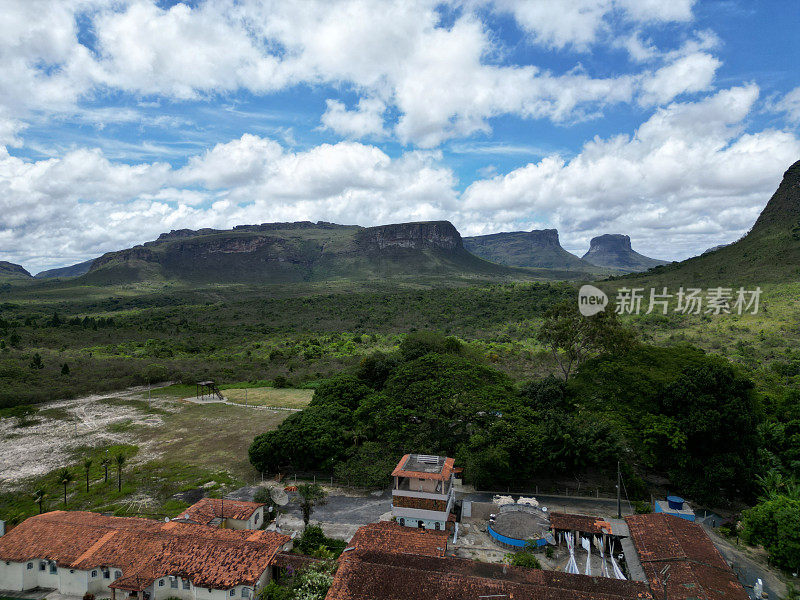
x=582, y=523
x=388, y=536
x=144, y=549
x=443, y=475
x=696, y=568
x=368, y=575
x=208, y=509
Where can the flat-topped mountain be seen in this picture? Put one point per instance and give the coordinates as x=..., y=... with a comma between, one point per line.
x=770, y=252
x=538, y=249
x=302, y=251
x=614, y=251
x=10, y=270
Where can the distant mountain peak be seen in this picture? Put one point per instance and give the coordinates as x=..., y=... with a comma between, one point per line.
x=539, y=248
x=783, y=209
x=613, y=250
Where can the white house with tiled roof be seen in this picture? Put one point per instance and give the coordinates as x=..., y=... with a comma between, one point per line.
x=80, y=552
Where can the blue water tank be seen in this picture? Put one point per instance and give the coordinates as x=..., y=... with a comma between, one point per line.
x=675, y=502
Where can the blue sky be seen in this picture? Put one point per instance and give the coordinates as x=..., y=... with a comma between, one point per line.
x=670, y=122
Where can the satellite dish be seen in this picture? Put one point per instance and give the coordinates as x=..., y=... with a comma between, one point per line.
x=166, y=519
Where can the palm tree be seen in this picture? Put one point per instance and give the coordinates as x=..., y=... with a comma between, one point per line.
x=105, y=461
x=309, y=496
x=38, y=497
x=87, y=464
x=65, y=477
x=120, y=460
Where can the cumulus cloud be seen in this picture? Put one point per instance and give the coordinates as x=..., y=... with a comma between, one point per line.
x=81, y=204
x=440, y=78
x=689, y=174
x=579, y=23
x=691, y=73
x=365, y=121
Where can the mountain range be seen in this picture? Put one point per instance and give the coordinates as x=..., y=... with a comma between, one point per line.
x=306, y=251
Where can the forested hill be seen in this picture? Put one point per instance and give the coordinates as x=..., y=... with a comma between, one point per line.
x=769, y=253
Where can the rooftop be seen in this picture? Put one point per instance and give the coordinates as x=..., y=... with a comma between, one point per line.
x=208, y=509
x=582, y=523
x=144, y=549
x=424, y=466
x=392, y=576
x=389, y=536
x=696, y=568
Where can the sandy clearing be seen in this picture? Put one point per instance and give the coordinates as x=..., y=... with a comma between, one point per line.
x=38, y=449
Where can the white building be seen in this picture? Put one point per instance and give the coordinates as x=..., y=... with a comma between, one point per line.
x=422, y=492
x=80, y=552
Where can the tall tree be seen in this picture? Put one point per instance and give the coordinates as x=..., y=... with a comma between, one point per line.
x=119, y=459
x=87, y=465
x=105, y=461
x=65, y=477
x=310, y=495
x=573, y=338
x=39, y=497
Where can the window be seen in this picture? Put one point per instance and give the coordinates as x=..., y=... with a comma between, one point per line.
x=256, y=519
x=160, y=583
x=117, y=574
x=173, y=583
x=53, y=568
x=245, y=592
x=94, y=573
x=106, y=574
x=437, y=525
x=186, y=584
x=29, y=566
x=72, y=570
x=42, y=566
x=233, y=592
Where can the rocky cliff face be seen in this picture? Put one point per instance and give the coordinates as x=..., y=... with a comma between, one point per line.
x=782, y=212
x=8, y=269
x=436, y=235
x=614, y=251
x=539, y=248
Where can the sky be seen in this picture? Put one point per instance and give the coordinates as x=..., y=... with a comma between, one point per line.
x=671, y=122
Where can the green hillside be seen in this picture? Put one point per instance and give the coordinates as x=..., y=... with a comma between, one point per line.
x=282, y=253
x=10, y=272
x=769, y=253
x=536, y=249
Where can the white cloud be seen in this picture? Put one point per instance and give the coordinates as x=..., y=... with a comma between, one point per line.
x=788, y=104
x=365, y=121
x=579, y=23
x=443, y=80
x=688, y=175
x=687, y=74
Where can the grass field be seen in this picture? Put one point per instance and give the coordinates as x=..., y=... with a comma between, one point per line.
x=268, y=396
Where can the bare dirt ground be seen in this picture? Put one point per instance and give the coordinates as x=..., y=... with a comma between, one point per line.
x=214, y=436
x=63, y=426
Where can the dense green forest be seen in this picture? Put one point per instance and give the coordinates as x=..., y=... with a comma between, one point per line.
x=676, y=411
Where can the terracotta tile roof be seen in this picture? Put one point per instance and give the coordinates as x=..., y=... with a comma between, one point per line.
x=144, y=549
x=388, y=536
x=370, y=575
x=208, y=509
x=443, y=475
x=696, y=568
x=582, y=523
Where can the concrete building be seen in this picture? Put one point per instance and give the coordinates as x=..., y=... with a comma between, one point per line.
x=422, y=492
x=80, y=552
x=230, y=514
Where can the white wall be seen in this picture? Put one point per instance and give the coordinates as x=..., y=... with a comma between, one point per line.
x=11, y=576
x=73, y=581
